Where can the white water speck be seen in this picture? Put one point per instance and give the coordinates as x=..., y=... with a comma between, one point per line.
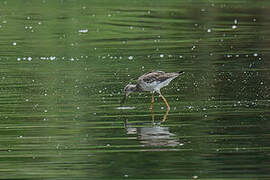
x=161, y=55
x=29, y=58
x=130, y=57
x=125, y=107
x=209, y=30
x=14, y=43
x=83, y=30
x=255, y=54
x=18, y=59
x=234, y=26
x=235, y=21
x=52, y=58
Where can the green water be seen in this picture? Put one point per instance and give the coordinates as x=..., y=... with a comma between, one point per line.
x=64, y=63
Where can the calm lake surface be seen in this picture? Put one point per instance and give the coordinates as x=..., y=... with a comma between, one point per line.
x=63, y=67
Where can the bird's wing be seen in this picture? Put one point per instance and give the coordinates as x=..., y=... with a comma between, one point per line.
x=150, y=77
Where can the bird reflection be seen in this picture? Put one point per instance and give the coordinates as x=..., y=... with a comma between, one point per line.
x=153, y=135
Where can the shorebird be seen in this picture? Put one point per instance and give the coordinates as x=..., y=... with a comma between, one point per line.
x=153, y=82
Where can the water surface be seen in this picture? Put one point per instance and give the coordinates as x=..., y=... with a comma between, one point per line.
x=64, y=65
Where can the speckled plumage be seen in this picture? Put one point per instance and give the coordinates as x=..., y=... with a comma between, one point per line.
x=154, y=81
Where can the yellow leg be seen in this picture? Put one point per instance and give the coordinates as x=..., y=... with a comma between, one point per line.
x=163, y=98
x=165, y=115
x=152, y=102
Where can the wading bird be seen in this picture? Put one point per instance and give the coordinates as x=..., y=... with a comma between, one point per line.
x=153, y=82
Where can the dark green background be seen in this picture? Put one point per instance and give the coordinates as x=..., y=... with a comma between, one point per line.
x=64, y=63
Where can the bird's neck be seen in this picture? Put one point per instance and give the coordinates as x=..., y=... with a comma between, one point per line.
x=135, y=88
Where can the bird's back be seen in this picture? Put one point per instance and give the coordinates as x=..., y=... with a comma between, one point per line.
x=153, y=81
x=158, y=76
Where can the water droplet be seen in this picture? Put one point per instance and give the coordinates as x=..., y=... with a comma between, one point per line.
x=161, y=55
x=52, y=58
x=234, y=26
x=83, y=30
x=209, y=30
x=14, y=43
x=130, y=57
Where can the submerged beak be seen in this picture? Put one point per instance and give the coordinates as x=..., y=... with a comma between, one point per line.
x=124, y=99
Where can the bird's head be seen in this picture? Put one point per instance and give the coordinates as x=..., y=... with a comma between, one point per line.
x=127, y=90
